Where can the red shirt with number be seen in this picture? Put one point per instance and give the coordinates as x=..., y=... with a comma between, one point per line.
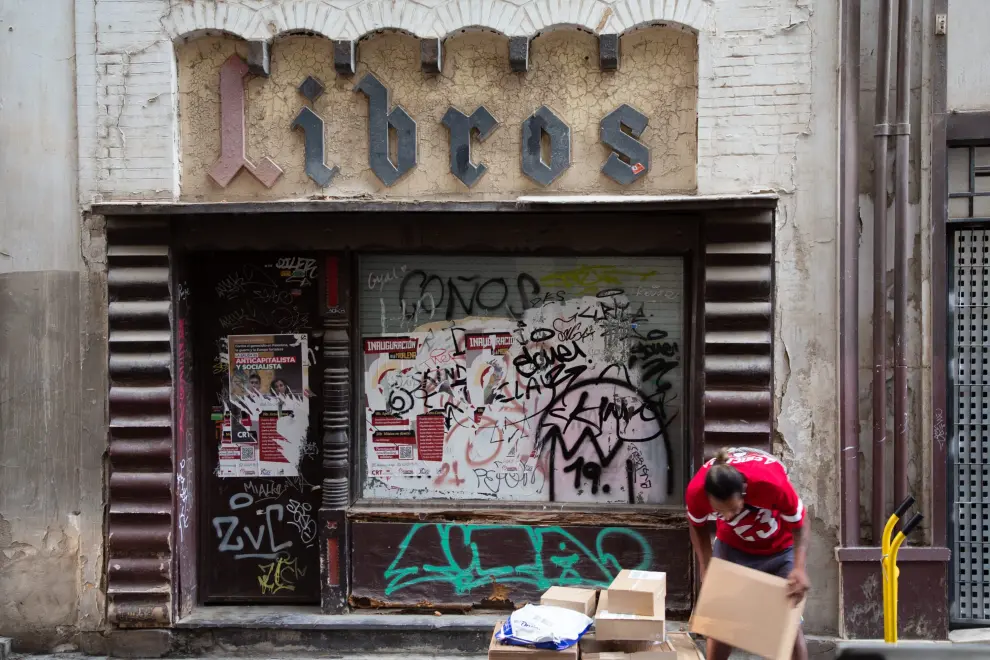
x=772, y=507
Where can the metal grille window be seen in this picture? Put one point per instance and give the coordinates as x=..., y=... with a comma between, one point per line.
x=969, y=182
x=522, y=378
x=969, y=318
x=969, y=305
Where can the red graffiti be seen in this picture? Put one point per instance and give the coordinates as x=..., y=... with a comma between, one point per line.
x=181, y=358
x=441, y=356
x=332, y=282
x=499, y=442
x=445, y=472
x=333, y=562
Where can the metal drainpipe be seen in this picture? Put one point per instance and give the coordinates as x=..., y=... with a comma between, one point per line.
x=881, y=133
x=902, y=246
x=849, y=271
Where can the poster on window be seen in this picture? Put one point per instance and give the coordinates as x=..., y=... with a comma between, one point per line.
x=264, y=431
x=438, y=416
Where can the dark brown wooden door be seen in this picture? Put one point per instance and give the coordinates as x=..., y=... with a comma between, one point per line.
x=258, y=340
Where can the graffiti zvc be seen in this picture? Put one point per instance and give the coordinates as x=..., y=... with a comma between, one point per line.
x=476, y=556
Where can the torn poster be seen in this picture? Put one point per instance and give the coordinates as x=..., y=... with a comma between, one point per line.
x=560, y=404
x=264, y=430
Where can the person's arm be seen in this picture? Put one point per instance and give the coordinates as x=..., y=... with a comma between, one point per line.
x=792, y=514
x=800, y=548
x=698, y=512
x=701, y=541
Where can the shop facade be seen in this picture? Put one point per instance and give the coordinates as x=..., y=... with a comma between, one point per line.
x=378, y=403
x=419, y=307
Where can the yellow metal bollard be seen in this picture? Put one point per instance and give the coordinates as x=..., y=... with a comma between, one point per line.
x=889, y=547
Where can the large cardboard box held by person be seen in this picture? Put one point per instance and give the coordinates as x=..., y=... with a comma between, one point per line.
x=497, y=651
x=679, y=646
x=611, y=626
x=747, y=609
x=638, y=592
x=579, y=600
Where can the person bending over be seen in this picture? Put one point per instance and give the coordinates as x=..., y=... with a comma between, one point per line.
x=759, y=524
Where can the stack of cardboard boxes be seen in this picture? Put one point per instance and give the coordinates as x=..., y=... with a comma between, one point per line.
x=629, y=623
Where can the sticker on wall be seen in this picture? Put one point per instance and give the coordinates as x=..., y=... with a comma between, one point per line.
x=264, y=430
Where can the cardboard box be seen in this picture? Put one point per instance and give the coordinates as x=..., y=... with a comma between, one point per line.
x=747, y=609
x=679, y=646
x=659, y=651
x=498, y=651
x=579, y=600
x=591, y=644
x=610, y=626
x=638, y=592
x=685, y=646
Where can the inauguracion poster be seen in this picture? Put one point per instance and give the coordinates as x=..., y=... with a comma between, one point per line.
x=268, y=422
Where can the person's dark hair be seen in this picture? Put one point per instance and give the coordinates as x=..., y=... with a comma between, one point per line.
x=723, y=480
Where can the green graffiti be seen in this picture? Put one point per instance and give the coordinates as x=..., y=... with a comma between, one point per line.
x=547, y=556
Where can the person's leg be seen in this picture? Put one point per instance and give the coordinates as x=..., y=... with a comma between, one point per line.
x=781, y=565
x=717, y=650
x=800, y=647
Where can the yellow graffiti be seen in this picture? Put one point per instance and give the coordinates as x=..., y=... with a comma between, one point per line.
x=589, y=280
x=280, y=575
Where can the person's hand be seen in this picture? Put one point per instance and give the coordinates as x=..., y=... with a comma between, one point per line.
x=797, y=585
x=702, y=570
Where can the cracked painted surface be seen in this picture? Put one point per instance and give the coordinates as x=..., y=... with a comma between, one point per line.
x=54, y=433
x=658, y=78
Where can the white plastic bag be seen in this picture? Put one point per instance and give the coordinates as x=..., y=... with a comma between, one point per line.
x=544, y=627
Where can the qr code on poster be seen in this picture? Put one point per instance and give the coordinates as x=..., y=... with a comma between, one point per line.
x=405, y=453
x=247, y=453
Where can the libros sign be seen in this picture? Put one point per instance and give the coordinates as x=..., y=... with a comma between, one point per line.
x=628, y=161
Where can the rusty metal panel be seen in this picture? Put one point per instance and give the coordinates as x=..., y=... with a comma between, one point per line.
x=922, y=596
x=186, y=446
x=738, y=332
x=140, y=521
x=459, y=566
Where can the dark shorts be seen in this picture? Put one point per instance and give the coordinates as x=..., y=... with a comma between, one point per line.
x=780, y=564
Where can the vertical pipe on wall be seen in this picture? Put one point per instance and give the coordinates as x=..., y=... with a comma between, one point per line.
x=881, y=133
x=848, y=270
x=902, y=246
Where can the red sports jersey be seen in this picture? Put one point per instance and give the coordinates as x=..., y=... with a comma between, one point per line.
x=772, y=510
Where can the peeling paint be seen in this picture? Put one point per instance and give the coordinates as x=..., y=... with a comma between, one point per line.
x=658, y=77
